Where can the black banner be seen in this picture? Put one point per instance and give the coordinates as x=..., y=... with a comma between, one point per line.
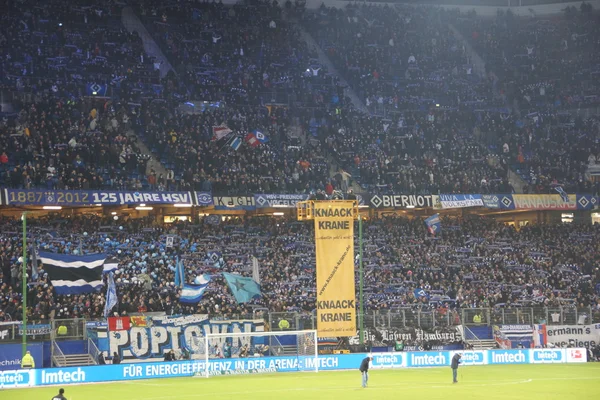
x=401, y=201
x=412, y=337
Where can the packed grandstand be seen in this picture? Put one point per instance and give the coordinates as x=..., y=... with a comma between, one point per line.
x=261, y=97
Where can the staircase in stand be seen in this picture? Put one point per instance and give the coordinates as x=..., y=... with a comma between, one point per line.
x=60, y=359
x=74, y=360
x=482, y=344
x=479, y=337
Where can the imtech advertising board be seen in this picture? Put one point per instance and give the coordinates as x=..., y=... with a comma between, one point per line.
x=334, y=240
x=121, y=372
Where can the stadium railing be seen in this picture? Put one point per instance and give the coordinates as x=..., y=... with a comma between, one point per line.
x=382, y=319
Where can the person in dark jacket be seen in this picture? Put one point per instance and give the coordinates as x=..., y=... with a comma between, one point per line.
x=364, y=369
x=60, y=395
x=454, y=366
x=116, y=359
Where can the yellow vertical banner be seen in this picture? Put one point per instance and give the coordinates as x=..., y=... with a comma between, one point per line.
x=334, y=239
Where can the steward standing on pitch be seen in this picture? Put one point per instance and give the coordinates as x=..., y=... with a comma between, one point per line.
x=454, y=366
x=364, y=369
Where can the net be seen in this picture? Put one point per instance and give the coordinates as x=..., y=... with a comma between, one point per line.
x=254, y=353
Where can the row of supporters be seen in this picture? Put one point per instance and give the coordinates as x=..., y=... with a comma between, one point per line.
x=558, y=201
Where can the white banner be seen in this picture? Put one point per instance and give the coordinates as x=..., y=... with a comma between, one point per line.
x=583, y=335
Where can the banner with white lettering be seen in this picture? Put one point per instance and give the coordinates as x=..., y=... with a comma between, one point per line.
x=400, y=201
x=278, y=200
x=149, y=338
x=415, y=339
x=580, y=335
x=25, y=197
x=460, y=200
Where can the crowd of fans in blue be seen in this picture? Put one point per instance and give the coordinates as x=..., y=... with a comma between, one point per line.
x=435, y=124
x=476, y=262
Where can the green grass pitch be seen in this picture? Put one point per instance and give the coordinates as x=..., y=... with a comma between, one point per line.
x=578, y=381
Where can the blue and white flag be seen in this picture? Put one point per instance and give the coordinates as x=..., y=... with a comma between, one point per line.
x=420, y=292
x=202, y=279
x=74, y=274
x=179, y=273
x=243, y=289
x=214, y=258
x=96, y=89
x=111, y=295
x=434, y=225
x=212, y=219
x=236, y=143
x=563, y=195
x=34, y=264
x=192, y=294
x=110, y=265
x=261, y=137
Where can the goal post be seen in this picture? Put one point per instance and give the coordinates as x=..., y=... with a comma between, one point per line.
x=256, y=352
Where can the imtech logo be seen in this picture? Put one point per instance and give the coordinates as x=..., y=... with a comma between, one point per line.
x=14, y=378
x=473, y=358
x=547, y=356
x=71, y=375
x=387, y=360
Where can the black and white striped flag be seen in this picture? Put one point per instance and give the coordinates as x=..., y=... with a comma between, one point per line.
x=110, y=264
x=74, y=274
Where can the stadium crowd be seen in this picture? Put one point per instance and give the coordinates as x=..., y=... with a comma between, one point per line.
x=475, y=262
x=434, y=126
x=447, y=130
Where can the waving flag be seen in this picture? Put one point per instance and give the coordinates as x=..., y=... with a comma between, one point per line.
x=192, y=294
x=202, y=279
x=420, y=292
x=251, y=140
x=219, y=132
x=179, y=273
x=243, y=289
x=563, y=195
x=261, y=137
x=236, y=143
x=214, y=258
x=34, y=264
x=110, y=264
x=434, y=225
x=111, y=295
x=74, y=274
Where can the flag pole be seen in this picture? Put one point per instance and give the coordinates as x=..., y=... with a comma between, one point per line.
x=24, y=283
x=361, y=315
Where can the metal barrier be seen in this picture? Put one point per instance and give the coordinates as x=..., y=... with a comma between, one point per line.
x=93, y=351
x=68, y=329
x=75, y=329
x=58, y=357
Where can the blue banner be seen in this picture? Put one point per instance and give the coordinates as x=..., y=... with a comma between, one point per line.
x=11, y=354
x=233, y=366
x=150, y=340
x=24, y=197
x=204, y=199
x=498, y=201
x=586, y=201
x=278, y=200
x=96, y=89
